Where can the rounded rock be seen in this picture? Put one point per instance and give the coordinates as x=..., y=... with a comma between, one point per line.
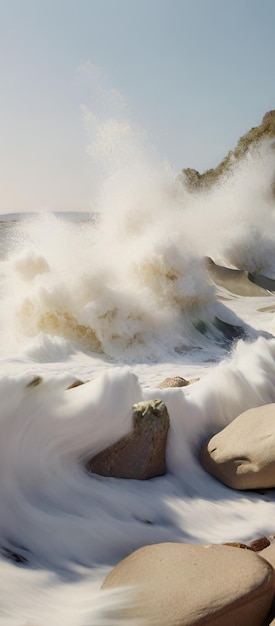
x=242, y=455
x=190, y=585
x=140, y=454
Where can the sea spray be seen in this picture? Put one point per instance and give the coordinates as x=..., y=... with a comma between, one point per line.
x=66, y=284
x=134, y=281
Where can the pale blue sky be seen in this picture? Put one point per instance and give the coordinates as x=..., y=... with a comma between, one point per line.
x=195, y=74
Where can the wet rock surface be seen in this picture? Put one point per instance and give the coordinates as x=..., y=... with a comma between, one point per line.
x=140, y=454
x=242, y=455
x=189, y=585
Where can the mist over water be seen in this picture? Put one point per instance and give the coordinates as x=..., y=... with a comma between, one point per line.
x=123, y=300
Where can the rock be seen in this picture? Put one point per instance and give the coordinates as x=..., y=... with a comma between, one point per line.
x=237, y=544
x=260, y=544
x=176, y=381
x=76, y=383
x=238, y=281
x=37, y=380
x=257, y=545
x=269, y=554
x=190, y=585
x=141, y=453
x=242, y=455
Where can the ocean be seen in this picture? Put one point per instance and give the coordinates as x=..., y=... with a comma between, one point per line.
x=156, y=281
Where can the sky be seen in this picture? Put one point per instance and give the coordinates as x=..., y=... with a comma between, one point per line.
x=190, y=76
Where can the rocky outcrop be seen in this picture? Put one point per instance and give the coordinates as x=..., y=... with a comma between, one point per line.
x=266, y=130
x=176, y=584
x=141, y=453
x=238, y=281
x=242, y=455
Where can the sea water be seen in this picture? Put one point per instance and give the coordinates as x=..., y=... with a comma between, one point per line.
x=121, y=298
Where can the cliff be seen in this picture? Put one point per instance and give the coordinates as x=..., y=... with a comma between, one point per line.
x=266, y=130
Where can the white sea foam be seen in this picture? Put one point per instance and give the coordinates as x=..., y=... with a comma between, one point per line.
x=63, y=520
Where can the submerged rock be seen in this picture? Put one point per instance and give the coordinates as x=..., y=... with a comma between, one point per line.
x=242, y=455
x=141, y=453
x=176, y=584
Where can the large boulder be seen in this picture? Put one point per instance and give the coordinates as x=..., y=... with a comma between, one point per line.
x=190, y=585
x=141, y=453
x=242, y=455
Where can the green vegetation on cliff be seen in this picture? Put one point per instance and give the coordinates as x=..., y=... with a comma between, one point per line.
x=250, y=140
